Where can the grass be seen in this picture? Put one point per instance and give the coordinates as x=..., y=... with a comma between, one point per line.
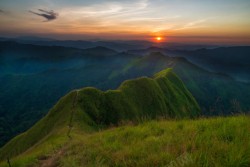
x=206, y=142
x=162, y=95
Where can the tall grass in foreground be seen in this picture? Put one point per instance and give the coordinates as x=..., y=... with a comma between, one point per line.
x=218, y=142
x=210, y=142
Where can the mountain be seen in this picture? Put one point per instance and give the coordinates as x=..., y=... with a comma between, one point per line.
x=99, y=51
x=215, y=92
x=118, y=45
x=13, y=50
x=234, y=61
x=81, y=44
x=164, y=95
x=147, y=50
x=33, y=38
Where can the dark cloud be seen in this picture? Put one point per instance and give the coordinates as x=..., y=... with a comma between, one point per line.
x=1, y=11
x=47, y=14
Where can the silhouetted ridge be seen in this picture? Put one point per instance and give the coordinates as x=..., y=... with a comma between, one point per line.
x=99, y=51
x=156, y=56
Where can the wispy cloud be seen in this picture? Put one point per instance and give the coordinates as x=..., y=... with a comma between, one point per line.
x=107, y=15
x=193, y=24
x=109, y=9
x=47, y=14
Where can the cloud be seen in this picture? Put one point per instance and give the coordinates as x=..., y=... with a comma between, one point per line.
x=4, y=12
x=47, y=14
x=109, y=8
x=193, y=24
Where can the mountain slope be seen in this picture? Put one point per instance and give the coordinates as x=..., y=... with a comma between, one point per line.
x=164, y=95
x=234, y=61
x=215, y=92
x=220, y=141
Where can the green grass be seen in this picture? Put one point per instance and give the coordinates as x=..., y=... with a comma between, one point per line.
x=206, y=142
x=164, y=95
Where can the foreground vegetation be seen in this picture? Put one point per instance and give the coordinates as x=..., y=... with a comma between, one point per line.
x=221, y=141
x=204, y=142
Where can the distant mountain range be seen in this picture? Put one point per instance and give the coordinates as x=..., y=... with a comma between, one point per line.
x=233, y=61
x=118, y=45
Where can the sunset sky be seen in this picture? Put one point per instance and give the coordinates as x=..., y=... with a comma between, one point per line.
x=218, y=21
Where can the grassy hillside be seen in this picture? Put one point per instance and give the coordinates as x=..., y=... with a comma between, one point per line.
x=216, y=142
x=217, y=94
x=164, y=95
x=220, y=142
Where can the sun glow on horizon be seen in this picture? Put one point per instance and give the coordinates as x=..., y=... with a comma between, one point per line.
x=158, y=38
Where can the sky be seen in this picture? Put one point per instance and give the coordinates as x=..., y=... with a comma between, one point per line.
x=204, y=21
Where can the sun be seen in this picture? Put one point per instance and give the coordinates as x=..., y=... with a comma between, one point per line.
x=158, y=39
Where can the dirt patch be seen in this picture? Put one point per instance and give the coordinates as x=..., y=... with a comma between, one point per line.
x=53, y=160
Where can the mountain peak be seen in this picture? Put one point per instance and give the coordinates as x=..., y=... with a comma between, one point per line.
x=99, y=51
x=157, y=56
x=34, y=38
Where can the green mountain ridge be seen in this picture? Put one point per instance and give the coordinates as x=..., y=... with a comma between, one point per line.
x=88, y=109
x=216, y=93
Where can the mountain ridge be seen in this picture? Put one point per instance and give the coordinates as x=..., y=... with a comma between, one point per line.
x=204, y=85
x=164, y=95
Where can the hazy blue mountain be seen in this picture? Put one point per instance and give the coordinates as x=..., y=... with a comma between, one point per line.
x=234, y=61
x=81, y=44
x=118, y=45
x=33, y=38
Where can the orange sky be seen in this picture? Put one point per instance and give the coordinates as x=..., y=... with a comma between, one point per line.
x=217, y=21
